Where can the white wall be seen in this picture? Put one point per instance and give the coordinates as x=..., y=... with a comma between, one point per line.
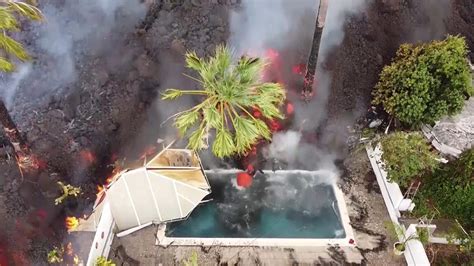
x=103, y=237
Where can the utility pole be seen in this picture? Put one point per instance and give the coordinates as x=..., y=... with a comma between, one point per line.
x=307, y=91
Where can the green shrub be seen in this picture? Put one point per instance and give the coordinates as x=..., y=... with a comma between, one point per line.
x=406, y=156
x=103, y=261
x=425, y=82
x=450, y=189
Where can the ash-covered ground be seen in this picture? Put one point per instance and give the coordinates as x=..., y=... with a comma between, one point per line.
x=90, y=95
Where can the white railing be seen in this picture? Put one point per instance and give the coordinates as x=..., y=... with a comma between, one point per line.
x=395, y=202
x=103, y=236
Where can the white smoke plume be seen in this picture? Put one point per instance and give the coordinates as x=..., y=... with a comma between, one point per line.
x=284, y=146
x=338, y=12
x=71, y=32
x=288, y=26
x=278, y=23
x=9, y=86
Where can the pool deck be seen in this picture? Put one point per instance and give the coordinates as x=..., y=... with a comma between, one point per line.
x=365, y=210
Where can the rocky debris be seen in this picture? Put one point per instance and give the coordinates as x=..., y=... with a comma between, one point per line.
x=457, y=131
x=204, y=24
x=367, y=210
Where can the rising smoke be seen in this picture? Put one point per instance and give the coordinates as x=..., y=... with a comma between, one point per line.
x=71, y=32
x=288, y=26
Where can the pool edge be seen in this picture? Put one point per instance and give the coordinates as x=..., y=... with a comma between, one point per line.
x=348, y=240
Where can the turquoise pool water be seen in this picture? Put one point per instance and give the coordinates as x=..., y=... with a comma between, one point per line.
x=276, y=206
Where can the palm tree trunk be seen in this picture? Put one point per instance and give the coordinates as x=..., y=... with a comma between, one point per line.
x=307, y=91
x=23, y=154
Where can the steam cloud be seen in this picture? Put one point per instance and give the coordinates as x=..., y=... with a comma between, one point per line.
x=288, y=26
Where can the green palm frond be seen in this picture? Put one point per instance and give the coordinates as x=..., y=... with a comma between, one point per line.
x=229, y=90
x=185, y=121
x=197, y=139
x=171, y=94
x=26, y=10
x=263, y=129
x=13, y=47
x=250, y=69
x=246, y=134
x=212, y=116
x=220, y=64
x=8, y=22
x=193, y=61
x=223, y=144
x=5, y=65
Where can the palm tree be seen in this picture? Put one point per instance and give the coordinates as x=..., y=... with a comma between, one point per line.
x=8, y=23
x=229, y=91
x=9, y=10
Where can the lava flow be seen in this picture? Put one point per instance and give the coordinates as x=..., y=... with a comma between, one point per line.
x=87, y=156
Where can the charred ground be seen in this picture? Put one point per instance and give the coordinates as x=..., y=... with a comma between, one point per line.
x=110, y=111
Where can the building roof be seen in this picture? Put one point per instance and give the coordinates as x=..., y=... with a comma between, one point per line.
x=165, y=189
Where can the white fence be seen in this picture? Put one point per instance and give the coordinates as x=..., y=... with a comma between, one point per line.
x=395, y=202
x=103, y=237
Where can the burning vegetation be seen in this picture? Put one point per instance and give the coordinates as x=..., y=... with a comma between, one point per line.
x=71, y=223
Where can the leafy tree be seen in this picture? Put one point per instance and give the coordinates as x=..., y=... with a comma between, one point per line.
x=229, y=92
x=451, y=190
x=406, y=156
x=426, y=81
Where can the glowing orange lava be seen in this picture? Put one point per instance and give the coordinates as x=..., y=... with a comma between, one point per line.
x=275, y=125
x=100, y=189
x=71, y=223
x=299, y=69
x=87, y=156
x=290, y=109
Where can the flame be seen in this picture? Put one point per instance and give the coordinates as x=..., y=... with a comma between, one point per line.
x=272, y=54
x=273, y=71
x=87, y=156
x=100, y=189
x=71, y=223
x=275, y=125
x=29, y=162
x=299, y=69
x=256, y=112
x=290, y=109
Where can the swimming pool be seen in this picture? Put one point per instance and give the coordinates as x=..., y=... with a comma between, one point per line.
x=280, y=208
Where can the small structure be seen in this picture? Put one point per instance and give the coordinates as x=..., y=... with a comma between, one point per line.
x=453, y=135
x=165, y=189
